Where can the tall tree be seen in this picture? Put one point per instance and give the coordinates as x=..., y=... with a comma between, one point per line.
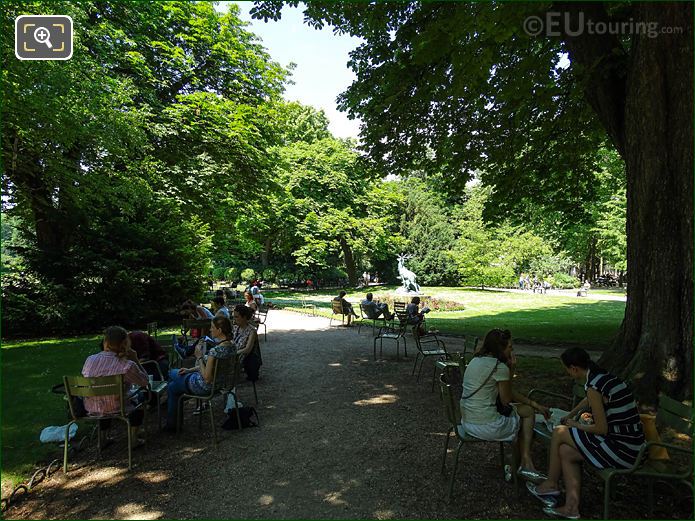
x=464, y=84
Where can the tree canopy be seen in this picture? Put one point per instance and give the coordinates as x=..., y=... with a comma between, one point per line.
x=460, y=88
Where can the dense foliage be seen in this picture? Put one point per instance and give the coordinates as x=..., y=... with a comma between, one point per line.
x=162, y=156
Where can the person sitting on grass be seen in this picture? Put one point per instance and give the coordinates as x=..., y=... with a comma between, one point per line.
x=116, y=358
x=346, y=307
x=487, y=381
x=199, y=379
x=612, y=440
x=376, y=309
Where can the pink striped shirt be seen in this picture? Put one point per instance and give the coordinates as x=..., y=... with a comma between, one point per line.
x=107, y=363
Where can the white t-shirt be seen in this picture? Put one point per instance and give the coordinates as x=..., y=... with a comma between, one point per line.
x=481, y=408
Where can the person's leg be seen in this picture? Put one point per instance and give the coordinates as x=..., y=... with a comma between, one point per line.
x=561, y=436
x=136, y=418
x=572, y=476
x=163, y=367
x=176, y=387
x=527, y=415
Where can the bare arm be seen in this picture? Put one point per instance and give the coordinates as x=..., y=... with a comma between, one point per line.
x=250, y=343
x=505, y=390
x=207, y=369
x=600, y=425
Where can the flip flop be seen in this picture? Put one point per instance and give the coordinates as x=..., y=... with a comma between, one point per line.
x=547, y=498
x=550, y=511
x=531, y=475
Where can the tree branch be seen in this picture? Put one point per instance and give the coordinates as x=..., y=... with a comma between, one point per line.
x=603, y=64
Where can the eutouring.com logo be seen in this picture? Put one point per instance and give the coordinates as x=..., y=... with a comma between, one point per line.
x=561, y=24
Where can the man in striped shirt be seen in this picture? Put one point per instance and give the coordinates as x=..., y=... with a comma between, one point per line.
x=116, y=358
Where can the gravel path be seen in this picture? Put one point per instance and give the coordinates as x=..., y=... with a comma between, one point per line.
x=341, y=436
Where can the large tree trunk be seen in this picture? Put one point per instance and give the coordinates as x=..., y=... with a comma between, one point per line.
x=655, y=345
x=349, y=261
x=265, y=254
x=651, y=123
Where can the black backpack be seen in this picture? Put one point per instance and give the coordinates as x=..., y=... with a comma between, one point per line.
x=247, y=415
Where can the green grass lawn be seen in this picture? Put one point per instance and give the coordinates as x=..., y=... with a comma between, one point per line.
x=29, y=369
x=531, y=317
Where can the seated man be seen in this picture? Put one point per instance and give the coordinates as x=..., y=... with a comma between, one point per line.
x=376, y=309
x=147, y=348
x=347, y=307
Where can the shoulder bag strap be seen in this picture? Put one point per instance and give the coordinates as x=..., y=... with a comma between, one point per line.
x=482, y=384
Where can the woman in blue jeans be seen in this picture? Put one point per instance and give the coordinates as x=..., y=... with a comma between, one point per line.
x=198, y=379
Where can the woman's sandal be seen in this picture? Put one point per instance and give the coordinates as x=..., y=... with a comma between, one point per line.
x=547, y=498
x=531, y=475
x=550, y=511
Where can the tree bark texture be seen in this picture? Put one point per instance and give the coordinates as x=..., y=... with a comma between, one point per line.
x=265, y=254
x=654, y=348
x=349, y=261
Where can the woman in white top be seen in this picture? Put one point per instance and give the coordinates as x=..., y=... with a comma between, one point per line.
x=488, y=376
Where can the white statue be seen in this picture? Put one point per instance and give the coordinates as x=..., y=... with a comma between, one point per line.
x=407, y=277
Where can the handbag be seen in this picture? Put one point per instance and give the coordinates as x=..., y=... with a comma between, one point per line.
x=504, y=410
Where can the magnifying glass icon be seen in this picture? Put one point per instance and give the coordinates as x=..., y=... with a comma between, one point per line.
x=42, y=35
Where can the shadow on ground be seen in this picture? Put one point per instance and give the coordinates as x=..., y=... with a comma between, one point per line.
x=341, y=436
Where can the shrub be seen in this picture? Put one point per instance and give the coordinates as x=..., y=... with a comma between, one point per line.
x=269, y=275
x=248, y=275
x=123, y=268
x=564, y=281
x=231, y=274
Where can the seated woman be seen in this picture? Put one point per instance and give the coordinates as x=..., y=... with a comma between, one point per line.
x=612, y=441
x=346, y=306
x=250, y=301
x=198, y=379
x=116, y=358
x=415, y=316
x=245, y=339
x=487, y=377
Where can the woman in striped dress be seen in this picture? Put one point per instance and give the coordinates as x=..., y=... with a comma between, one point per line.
x=613, y=440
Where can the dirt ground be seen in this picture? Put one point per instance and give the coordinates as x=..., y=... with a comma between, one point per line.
x=341, y=436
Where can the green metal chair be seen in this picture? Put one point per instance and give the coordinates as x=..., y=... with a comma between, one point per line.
x=226, y=376
x=428, y=346
x=671, y=414
x=337, y=309
x=78, y=386
x=308, y=306
x=452, y=413
x=158, y=387
x=391, y=331
x=260, y=319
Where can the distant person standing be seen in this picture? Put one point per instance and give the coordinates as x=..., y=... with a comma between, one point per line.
x=521, y=280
